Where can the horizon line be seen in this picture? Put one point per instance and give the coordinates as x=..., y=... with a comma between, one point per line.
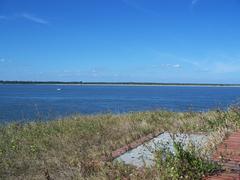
x=109, y=82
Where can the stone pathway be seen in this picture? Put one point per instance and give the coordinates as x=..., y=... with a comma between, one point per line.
x=228, y=155
x=142, y=152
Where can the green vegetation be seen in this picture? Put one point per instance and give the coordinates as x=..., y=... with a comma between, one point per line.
x=73, y=148
x=184, y=164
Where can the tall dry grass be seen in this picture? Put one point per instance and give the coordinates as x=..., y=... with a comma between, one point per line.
x=72, y=148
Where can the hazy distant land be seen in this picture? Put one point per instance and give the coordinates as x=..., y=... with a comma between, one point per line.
x=114, y=83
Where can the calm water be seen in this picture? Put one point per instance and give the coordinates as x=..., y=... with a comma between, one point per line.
x=28, y=102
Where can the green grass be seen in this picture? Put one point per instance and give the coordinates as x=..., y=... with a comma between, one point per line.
x=73, y=147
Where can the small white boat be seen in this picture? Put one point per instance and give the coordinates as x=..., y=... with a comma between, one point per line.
x=59, y=89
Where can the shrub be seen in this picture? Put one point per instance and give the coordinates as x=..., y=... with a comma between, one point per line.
x=183, y=163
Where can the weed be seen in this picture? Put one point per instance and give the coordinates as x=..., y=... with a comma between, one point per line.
x=73, y=147
x=183, y=163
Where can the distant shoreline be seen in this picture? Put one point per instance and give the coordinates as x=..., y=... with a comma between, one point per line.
x=114, y=84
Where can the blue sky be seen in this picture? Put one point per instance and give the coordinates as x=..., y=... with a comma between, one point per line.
x=120, y=40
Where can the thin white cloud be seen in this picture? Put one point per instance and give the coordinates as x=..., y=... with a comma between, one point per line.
x=94, y=71
x=137, y=6
x=2, y=60
x=176, y=65
x=33, y=18
x=214, y=64
x=194, y=2
x=168, y=66
x=27, y=16
x=223, y=67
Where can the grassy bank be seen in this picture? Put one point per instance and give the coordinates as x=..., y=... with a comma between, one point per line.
x=72, y=148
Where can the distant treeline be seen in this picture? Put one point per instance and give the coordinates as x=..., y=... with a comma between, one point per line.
x=114, y=83
x=38, y=82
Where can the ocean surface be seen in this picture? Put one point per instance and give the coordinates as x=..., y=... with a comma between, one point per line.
x=44, y=102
